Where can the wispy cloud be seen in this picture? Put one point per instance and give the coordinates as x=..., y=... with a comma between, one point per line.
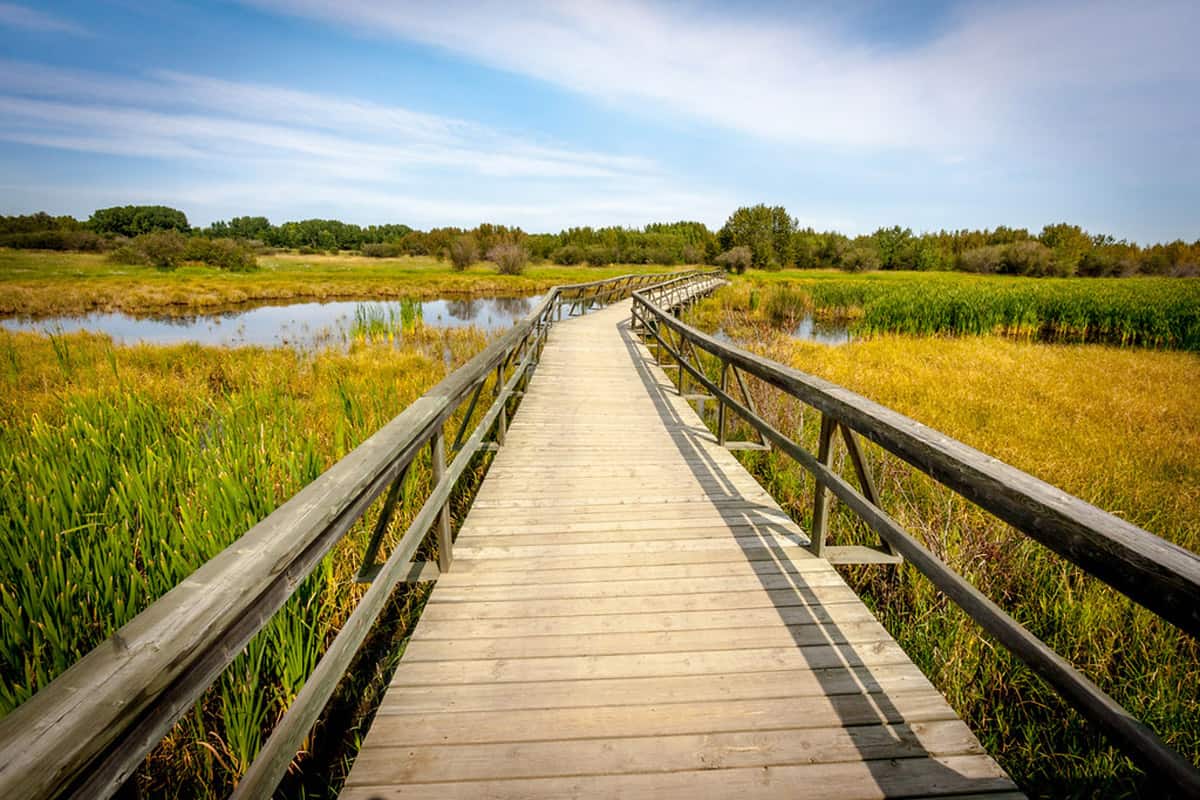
x=271, y=147
x=994, y=77
x=17, y=16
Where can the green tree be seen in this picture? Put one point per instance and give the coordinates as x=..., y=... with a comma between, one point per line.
x=135, y=220
x=766, y=230
x=1068, y=244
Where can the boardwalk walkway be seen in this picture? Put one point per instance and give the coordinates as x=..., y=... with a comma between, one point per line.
x=629, y=614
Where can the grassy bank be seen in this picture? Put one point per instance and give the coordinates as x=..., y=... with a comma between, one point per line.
x=1119, y=427
x=43, y=283
x=126, y=468
x=1153, y=312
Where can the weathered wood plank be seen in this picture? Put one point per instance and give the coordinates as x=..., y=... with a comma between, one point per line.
x=815, y=711
x=854, y=780
x=496, y=628
x=652, y=604
x=781, y=684
x=412, y=764
x=581, y=667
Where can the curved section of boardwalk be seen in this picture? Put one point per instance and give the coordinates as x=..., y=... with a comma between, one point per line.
x=629, y=614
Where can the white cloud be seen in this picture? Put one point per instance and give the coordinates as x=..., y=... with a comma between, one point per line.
x=16, y=16
x=176, y=115
x=993, y=76
x=266, y=149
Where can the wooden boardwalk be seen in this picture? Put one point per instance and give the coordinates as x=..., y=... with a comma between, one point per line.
x=629, y=614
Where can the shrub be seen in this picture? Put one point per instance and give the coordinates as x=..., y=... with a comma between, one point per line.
x=464, y=252
x=1028, y=258
x=568, y=255
x=162, y=249
x=510, y=259
x=736, y=259
x=227, y=254
x=597, y=255
x=311, y=251
x=382, y=250
x=861, y=257
x=127, y=253
x=54, y=240
x=988, y=259
x=693, y=254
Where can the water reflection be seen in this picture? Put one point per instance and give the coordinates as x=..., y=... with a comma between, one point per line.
x=823, y=331
x=285, y=325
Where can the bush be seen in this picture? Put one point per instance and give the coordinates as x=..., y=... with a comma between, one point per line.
x=464, y=252
x=987, y=260
x=162, y=249
x=597, y=255
x=55, y=240
x=861, y=257
x=1028, y=258
x=126, y=253
x=166, y=249
x=735, y=259
x=311, y=251
x=382, y=250
x=568, y=255
x=693, y=254
x=510, y=259
x=227, y=254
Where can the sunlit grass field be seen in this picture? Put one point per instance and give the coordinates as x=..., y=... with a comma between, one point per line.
x=1119, y=427
x=42, y=283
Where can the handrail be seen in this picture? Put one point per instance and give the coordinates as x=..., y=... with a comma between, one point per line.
x=1161, y=576
x=87, y=731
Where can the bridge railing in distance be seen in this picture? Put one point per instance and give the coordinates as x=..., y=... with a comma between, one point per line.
x=1159, y=575
x=87, y=731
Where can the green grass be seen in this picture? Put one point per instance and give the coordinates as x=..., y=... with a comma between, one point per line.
x=45, y=283
x=126, y=468
x=1151, y=312
x=1119, y=427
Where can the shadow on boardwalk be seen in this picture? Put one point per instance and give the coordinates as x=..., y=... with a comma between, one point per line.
x=861, y=699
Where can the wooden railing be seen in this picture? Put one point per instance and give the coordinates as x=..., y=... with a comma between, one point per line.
x=86, y=732
x=1161, y=576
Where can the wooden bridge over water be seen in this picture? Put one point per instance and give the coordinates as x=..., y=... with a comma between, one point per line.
x=624, y=611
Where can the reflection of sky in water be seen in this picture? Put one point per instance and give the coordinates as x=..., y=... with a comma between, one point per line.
x=809, y=329
x=822, y=331
x=299, y=324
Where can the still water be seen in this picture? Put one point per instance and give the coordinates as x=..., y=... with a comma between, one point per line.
x=823, y=331
x=302, y=325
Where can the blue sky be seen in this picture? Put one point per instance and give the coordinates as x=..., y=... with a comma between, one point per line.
x=853, y=115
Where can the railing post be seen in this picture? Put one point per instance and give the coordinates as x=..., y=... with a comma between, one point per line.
x=821, y=496
x=502, y=423
x=721, y=407
x=437, y=448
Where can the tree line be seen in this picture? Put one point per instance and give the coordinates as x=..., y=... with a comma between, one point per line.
x=760, y=236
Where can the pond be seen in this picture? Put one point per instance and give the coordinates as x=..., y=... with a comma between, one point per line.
x=823, y=331
x=302, y=325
